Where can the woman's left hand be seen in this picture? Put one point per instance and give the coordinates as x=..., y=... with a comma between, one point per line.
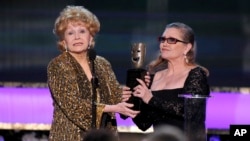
x=142, y=91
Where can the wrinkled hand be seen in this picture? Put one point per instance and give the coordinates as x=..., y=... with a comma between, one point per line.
x=125, y=109
x=126, y=93
x=142, y=91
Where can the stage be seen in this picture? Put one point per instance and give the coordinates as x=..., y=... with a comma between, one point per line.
x=30, y=109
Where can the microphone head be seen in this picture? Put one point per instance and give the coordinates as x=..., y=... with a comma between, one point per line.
x=92, y=54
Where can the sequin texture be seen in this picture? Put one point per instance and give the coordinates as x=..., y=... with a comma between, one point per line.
x=72, y=92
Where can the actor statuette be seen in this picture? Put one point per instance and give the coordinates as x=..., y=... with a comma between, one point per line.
x=138, y=53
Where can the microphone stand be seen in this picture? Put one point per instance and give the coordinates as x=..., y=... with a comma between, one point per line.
x=94, y=96
x=94, y=82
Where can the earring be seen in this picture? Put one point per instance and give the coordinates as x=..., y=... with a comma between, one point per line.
x=66, y=48
x=186, y=59
x=90, y=44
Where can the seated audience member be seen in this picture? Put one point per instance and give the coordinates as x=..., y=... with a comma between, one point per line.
x=100, y=135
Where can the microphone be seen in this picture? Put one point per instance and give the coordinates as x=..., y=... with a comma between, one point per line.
x=92, y=54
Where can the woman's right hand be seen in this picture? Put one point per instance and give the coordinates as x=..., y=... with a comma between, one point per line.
x=142, y=91
x=125, y=109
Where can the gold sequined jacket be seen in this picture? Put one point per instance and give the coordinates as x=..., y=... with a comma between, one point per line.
x=72, y=92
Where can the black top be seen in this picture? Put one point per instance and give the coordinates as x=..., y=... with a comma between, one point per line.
x=166, y=107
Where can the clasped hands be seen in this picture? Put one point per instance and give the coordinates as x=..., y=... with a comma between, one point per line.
x=142, y=91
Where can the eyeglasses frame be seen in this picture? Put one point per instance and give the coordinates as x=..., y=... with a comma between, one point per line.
x=162, y=39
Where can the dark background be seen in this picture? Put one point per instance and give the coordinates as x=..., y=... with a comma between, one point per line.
x=222, y=30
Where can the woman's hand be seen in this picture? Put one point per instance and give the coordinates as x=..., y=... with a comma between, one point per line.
x=142, y=91
x=125, y=109
x=147, y=79
x=126, y=93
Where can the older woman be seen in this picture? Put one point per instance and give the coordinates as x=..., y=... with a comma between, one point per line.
x=69, y=79
x=176, y=72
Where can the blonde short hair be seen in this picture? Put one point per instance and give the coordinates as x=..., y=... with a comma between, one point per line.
x=75, y=14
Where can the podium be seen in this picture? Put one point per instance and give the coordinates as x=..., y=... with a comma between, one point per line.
x=195, y=116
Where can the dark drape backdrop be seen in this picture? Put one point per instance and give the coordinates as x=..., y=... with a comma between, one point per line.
x=222, y=32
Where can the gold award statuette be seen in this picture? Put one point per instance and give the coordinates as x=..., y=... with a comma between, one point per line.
x=138, y=53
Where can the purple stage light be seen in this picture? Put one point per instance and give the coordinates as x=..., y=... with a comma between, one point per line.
x=34, y=106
